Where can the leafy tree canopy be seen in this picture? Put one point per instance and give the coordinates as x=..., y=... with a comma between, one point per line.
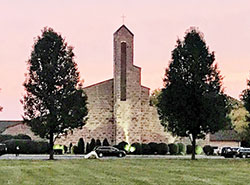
x=238, y=116
x=192, y=102
x=54, y=101
x=154, y=97
x=245, y=97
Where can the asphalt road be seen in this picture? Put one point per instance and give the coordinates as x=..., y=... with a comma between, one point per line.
x=67, y=157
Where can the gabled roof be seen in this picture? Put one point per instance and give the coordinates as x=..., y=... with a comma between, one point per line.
x=6, y=124
x=98, y=83
x=225, y=135
x=123, y=26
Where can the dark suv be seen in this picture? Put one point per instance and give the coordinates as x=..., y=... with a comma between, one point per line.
x=230, y=152
x=244, y=152
x=3, y=149
x=109, y=151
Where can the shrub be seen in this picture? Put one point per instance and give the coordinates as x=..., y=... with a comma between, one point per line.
x=80, y=146
x=173, y=149
x=122, y=145
x=154, y=147
x=145, y=148
x=198, y=150
x=74, y=149
x=9, y=137
x=105, y=142
x=58, y=149
x=162, y=148
x=27, y=146
x=208, y=150
x=182, y=148
x=65, y=148
x=22, y=136
x=98, y=143
x=88, y=148
x=70, y=147
x=5, y=137
x=189, y=149
x=138, y=148
x=92, y=145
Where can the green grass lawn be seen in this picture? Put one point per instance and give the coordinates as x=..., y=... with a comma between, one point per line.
x=125, y=171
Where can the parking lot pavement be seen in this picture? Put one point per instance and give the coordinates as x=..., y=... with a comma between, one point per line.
x=173, y=157
x=39, y=157
x=68, y=156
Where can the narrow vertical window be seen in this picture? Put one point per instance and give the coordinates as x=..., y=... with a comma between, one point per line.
x=123, y=70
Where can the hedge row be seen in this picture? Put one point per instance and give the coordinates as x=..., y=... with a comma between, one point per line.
x=145, y=149
x=159, y=148
x=9, y=137
x=140, y=148
x=27, y=146
x=80, y=147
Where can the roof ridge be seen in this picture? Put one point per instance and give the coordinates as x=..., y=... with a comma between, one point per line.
x=123, y=26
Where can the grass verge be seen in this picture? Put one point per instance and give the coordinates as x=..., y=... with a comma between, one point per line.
x=125, y=171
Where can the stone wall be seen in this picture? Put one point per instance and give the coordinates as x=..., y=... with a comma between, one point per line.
x=152, y=130
x=100, y=116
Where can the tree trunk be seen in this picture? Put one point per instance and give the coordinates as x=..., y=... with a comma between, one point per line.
x=51, y=144
x=193, y=146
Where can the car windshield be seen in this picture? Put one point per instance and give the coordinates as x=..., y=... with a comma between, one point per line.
x=115, y=149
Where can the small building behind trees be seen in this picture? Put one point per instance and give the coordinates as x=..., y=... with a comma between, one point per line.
x=13, y=128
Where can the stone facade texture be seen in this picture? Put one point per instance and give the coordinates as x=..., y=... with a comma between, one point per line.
x=111, y=116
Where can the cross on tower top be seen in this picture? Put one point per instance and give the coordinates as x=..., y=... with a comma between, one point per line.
x=123, y=18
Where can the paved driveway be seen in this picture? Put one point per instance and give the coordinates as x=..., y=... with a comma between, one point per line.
x=39, y=157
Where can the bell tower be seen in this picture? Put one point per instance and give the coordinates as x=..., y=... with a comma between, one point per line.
x=127, y=88
x=123, y=61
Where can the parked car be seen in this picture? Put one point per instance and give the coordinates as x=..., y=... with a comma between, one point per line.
x=3, y=149
x=230, y=152
x=109, y=151
x=244, y=152
x=224, y=151
x=234, y=152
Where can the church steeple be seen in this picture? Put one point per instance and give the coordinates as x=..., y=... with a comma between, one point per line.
x=123, y=61
x=124, y=27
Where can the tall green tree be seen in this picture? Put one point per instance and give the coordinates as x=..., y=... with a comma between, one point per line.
x=54, y=102
x=245, y=97
x=192, y=102
x=238, y=116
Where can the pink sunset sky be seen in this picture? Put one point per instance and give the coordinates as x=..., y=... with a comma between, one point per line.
x=88, y=25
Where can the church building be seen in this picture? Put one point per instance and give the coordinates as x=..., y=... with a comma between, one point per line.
x=119, y=108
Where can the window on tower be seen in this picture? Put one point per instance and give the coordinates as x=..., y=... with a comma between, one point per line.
x=123, y=70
